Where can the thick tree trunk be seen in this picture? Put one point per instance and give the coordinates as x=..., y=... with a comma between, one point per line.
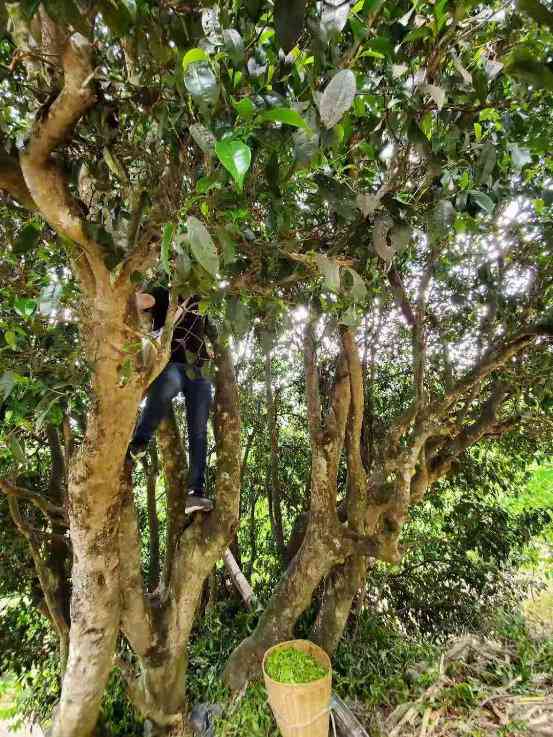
x=290, y=599
x=94, y=507
x=340, y=591
x=94, y=526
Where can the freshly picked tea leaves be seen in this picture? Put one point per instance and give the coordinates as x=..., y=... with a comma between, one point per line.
x=293, y=666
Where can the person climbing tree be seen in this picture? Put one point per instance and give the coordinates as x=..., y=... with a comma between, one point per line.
x=183, y=374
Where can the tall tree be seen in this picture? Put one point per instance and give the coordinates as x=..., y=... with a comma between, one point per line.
x=361, y=160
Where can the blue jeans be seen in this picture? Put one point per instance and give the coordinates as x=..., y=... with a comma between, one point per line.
x=198, y=394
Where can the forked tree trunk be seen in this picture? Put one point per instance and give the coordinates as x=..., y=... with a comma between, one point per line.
x=323, y=545
x=158, y=629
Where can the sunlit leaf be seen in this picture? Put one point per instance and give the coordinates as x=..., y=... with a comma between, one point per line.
x=201, y=83
x=236, y=157
x=25, y=307
x=337, y=98
x=358, y=288
x=330, y=272
x=166, y=243
x=283, y=115
x=482, y=200
x=202, y=245
x=193, y=56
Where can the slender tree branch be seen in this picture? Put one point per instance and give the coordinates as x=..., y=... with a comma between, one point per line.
x=151, y=468
x=313, y=397
x=400, y=296
x=52, y=511
x=49, y=581
x=136, y=616
x=13, y=182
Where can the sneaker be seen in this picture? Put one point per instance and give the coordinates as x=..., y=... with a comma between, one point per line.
x=195, y=502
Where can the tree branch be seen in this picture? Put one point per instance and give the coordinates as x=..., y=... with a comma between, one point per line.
x=48, y=580
x=53, y=512
x=136, y=617
x=13, y=182
x=313, y=397
x=46, y=183
x=400, y=296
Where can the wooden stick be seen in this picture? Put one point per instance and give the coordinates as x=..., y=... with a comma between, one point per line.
x=238, y=578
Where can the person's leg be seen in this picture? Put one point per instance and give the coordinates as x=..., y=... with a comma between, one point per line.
x=198, y=395
x=158, y=403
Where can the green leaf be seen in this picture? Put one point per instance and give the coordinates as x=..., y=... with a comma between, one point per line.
x=358, y=288
x=116, y=15
x=427, y=124
x=523, y=65
x=202, y=245
x=337, y=98
x=330, y=272
x=27, y=239
x=43, y=408
x=193, y=56
x=25, y=307
x=244, y=107
x=202, y=84
x=380, y=47
x=236, y=157
x=228, y=245
x=29, y=7
x=17, y=449
x=203, y=137
x=284, y=115
x=520, y=156
x=289, y=22
x=67, y=13
x=486, y=163
x=10, y=338
x=206, y=184
x=482, y=200
x=7, y=382
x=234, y=45
x=537, y=12
x=166, y=243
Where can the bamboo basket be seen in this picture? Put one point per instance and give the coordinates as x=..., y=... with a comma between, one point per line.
x=301, y=709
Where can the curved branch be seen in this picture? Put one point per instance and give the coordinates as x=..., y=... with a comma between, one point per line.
x=51, y=511
x=13, y=182
x=47, y=579
x=46, y=183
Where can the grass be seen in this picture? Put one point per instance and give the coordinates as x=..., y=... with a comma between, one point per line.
x=290, y=665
